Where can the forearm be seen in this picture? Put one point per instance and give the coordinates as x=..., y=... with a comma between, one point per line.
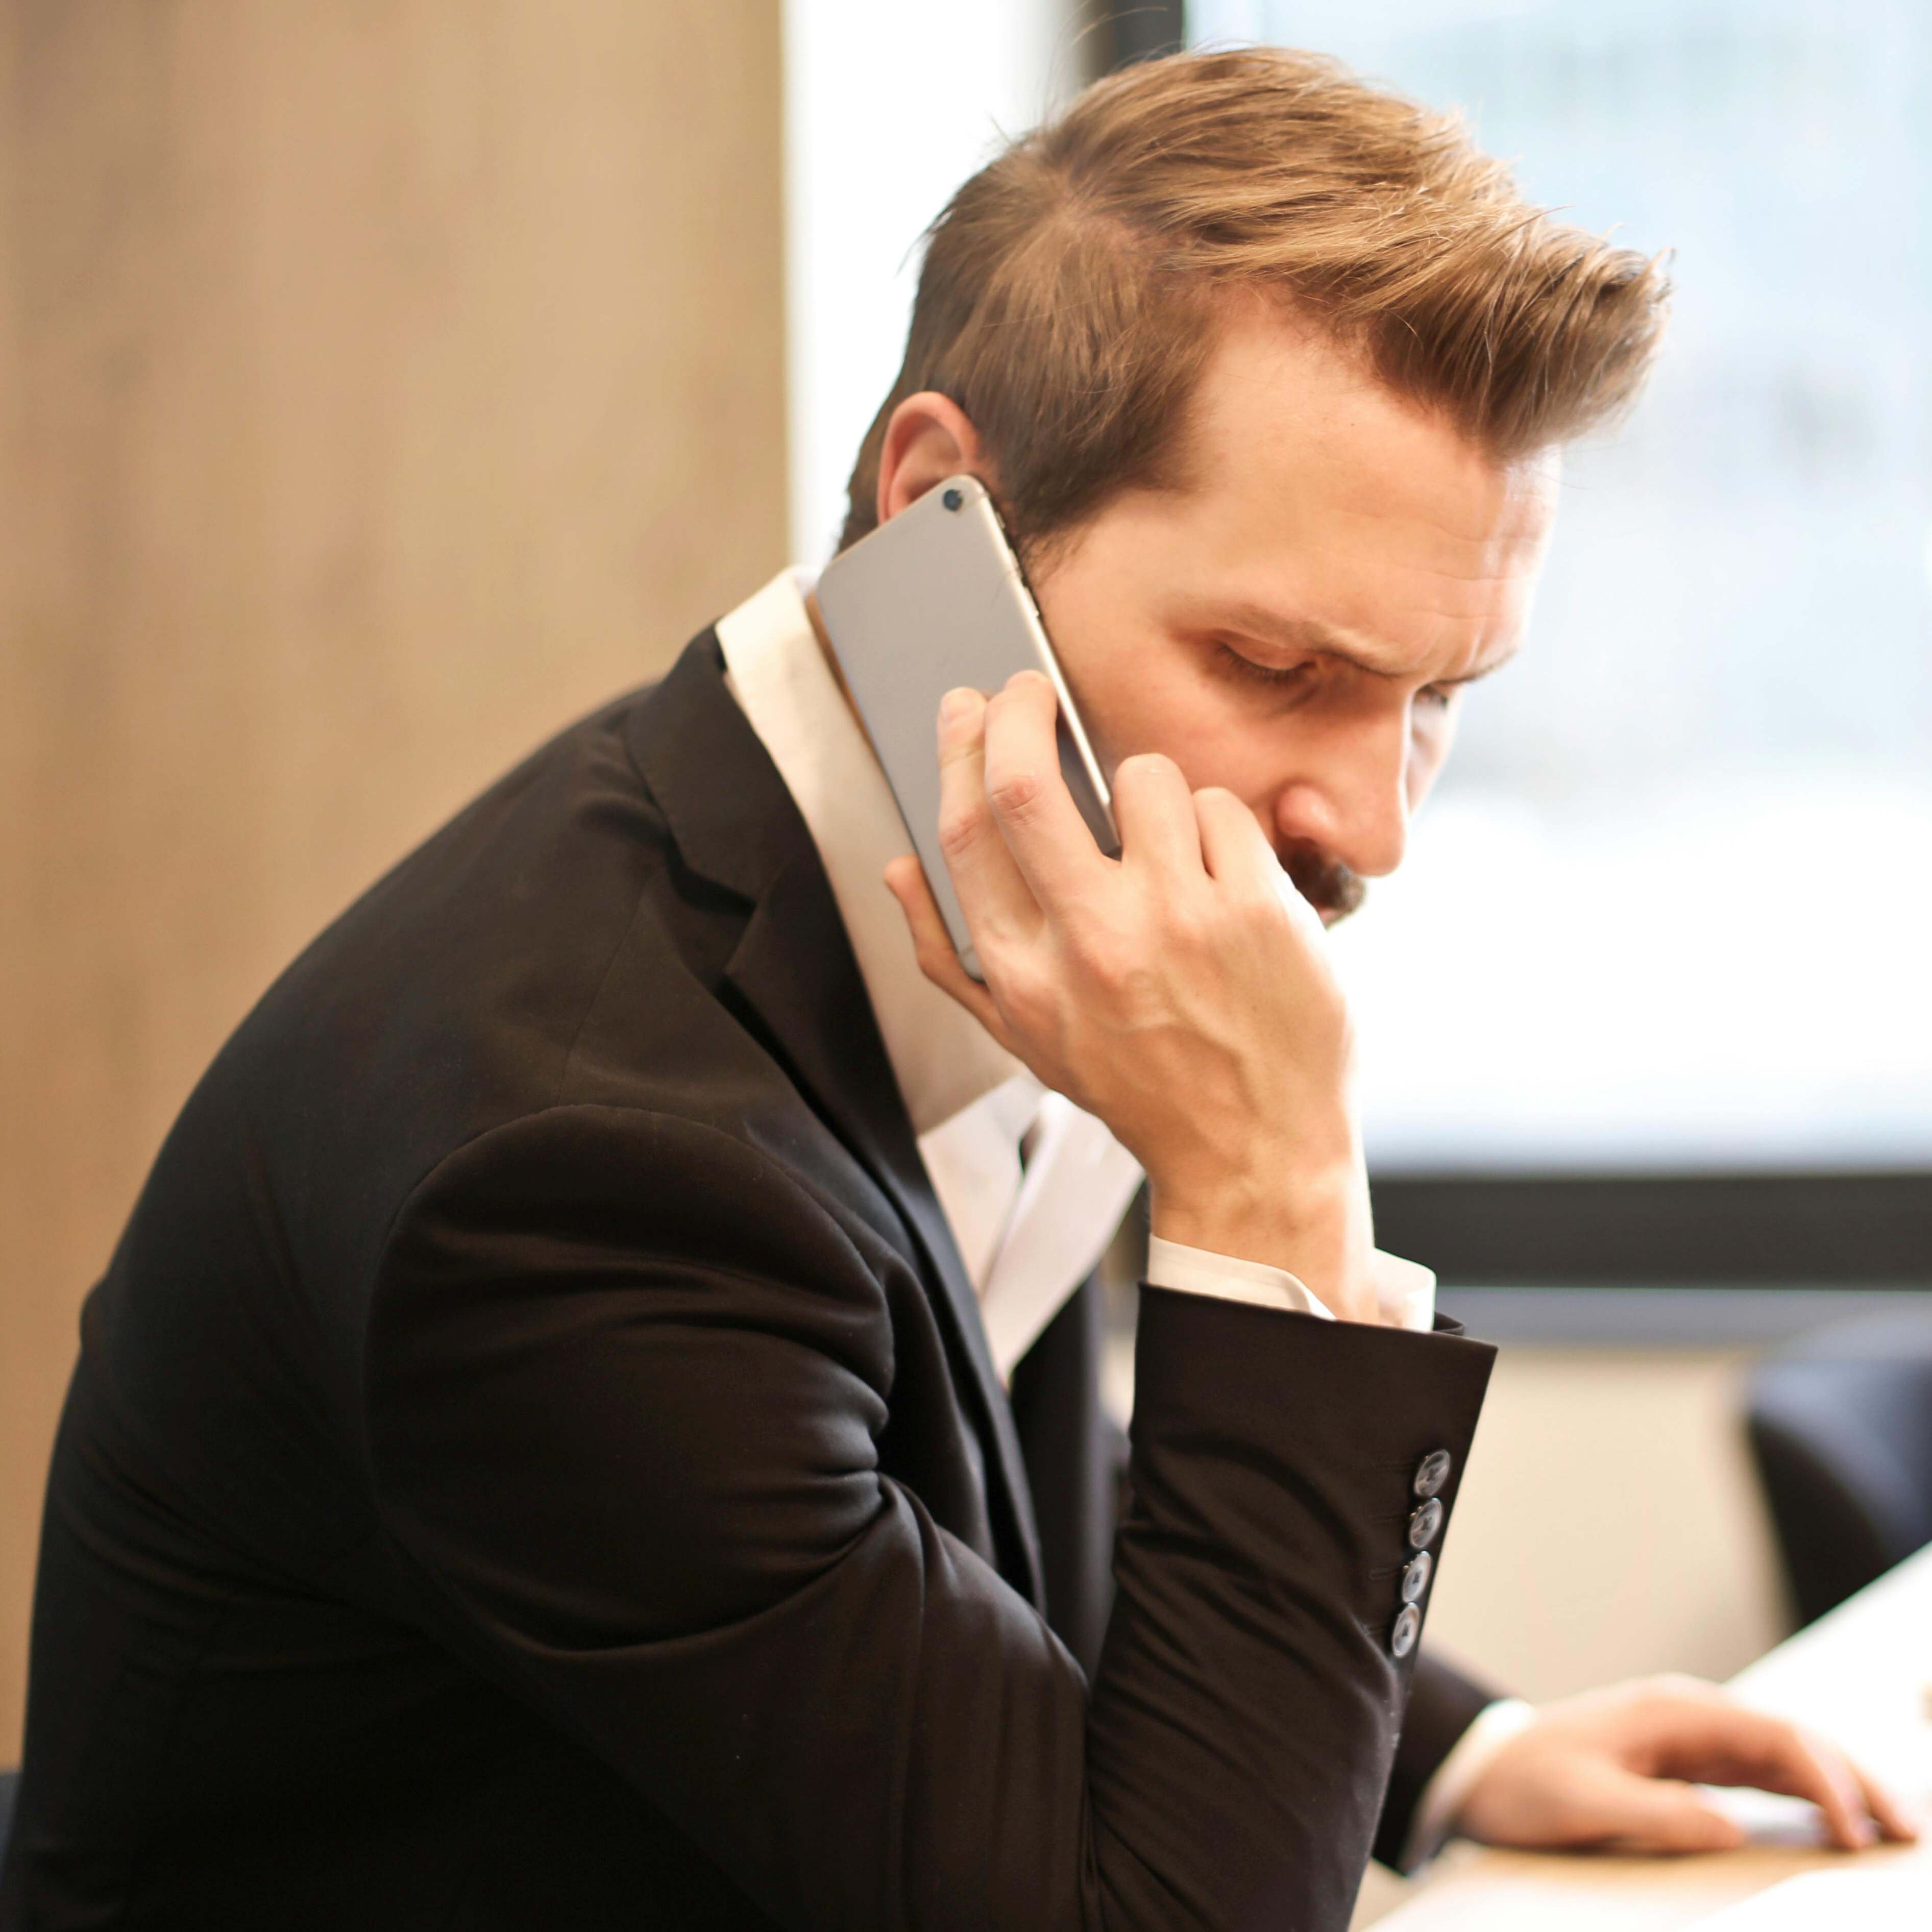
x=1247, y=1712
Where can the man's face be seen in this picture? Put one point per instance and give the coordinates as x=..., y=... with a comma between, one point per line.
x=1299, y=622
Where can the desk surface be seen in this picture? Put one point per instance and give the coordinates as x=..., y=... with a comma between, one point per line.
x=1862, y=1676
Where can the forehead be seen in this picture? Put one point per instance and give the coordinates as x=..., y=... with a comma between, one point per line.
x=1308, y=485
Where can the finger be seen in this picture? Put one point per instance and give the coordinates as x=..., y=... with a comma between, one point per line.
x=1236, y=851
x=932, y=945
x=1233, y=847
x=1546, y=1793
x=1040, y=823
x=1893, y=1820
x=993, y=895
x=1802, y=1767
x=1731, y=1745
x=1660, y=1815
x=1155, y=813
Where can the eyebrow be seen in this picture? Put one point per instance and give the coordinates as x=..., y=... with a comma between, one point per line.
x=1331, y=640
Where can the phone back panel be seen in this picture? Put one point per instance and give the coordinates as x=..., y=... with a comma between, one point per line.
x=932, y=600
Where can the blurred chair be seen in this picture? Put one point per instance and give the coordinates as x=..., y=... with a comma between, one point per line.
x=1840, y=1424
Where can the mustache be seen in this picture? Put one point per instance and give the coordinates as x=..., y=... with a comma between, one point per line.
x=1330, y=887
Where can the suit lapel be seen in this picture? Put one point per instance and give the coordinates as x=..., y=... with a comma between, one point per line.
x=735, y=822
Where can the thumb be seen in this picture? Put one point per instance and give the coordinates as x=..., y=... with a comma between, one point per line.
x=1659, y=1814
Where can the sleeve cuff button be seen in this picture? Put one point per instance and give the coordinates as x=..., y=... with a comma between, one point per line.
x=1407, y=1628
x=1424, y=1523
x=1415, y=1578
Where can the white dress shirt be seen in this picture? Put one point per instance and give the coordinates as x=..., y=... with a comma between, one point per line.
x=1032, y=1187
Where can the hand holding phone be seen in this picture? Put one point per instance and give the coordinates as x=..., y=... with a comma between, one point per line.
x=1175, y=991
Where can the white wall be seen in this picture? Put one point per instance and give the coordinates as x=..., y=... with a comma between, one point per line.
x=1609, y=1524
x=889, y=105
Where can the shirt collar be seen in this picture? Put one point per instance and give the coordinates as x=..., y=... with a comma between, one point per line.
x=943, y=1059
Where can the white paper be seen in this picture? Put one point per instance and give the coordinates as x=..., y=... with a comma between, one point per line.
x=1887, y=1897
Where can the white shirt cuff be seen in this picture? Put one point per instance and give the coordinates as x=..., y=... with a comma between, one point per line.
x=1457, y=1775
x=1404, y=1292
x=1199, y=1271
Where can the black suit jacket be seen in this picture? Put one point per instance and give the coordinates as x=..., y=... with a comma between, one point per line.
x=534, y=1460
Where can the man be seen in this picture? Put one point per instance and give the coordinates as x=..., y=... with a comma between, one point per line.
x=594, y=1420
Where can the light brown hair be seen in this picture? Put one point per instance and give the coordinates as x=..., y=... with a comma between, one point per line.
x=1066, y=301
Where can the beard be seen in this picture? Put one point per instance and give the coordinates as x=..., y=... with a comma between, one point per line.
x=1325, y=882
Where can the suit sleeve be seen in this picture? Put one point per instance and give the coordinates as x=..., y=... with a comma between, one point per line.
x=627, y=1379
x=1443, y=1703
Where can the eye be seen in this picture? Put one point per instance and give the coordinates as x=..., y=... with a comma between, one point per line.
x=1277, y=677
x=1435, y=696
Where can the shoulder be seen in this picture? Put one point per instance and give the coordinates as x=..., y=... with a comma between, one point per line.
x=547, y=921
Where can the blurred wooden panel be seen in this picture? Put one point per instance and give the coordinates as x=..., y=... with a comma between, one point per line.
x=385, y=382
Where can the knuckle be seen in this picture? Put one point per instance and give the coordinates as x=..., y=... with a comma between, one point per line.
x=1103, y=961
x=1663, y=1696
x=1024, y=999
x=1106, y=958
x=1258, y=909
x=958, y=827
x=959, y=738
x=1189, y=925
x=1016, y=792
x=1264, y=918
x=1680, y=1683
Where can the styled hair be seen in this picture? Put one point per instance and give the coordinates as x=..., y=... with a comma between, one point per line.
x=1067, y=298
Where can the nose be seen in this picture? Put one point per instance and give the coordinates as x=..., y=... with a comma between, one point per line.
x=1348, y=796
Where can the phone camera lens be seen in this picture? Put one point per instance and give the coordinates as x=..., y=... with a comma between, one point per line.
x=954, y=499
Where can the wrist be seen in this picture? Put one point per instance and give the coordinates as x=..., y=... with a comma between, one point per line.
x=1315, y=1224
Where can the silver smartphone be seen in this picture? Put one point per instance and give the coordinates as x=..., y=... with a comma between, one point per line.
x=933, y=599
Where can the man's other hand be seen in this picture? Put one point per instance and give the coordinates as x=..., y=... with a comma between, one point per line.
x=1618, y=1769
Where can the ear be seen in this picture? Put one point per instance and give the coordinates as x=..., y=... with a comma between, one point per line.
x=929, y=438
